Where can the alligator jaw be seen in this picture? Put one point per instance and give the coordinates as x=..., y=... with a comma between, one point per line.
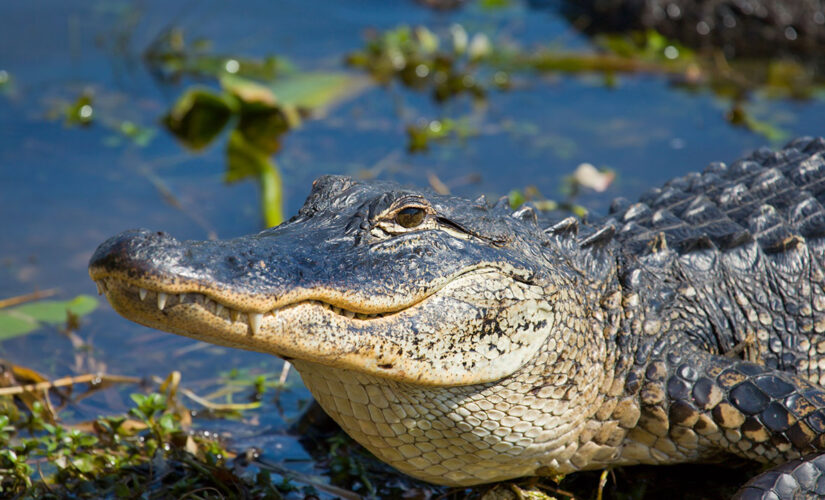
x=216, y=307
x=205, y=317
x=387, y=344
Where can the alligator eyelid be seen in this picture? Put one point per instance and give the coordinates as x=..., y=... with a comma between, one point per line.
x=410, y=201
x=458, y=227
x=454, y=225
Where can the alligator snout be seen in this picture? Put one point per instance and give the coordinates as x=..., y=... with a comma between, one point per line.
x=135, y=251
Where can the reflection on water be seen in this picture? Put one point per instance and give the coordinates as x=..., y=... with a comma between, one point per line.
x=117, y=114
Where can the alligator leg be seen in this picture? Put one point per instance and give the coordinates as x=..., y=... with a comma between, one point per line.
x=715, y=402
x=802, y=478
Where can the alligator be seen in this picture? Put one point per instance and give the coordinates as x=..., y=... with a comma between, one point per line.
x=740, y=27
x=467, y=343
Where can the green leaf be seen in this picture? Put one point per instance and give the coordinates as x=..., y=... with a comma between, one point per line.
x=314, y=91
x=80, y=112
x=244, y=160
x=516, y=198
x=26, y=318
x=198, y=117
x=13, y=326
x=54, y=311
x=271, y=199
x=263, y=126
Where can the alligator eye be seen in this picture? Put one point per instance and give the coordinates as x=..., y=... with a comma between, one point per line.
x=410, y=217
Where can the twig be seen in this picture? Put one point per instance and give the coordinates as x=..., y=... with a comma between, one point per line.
x=744, y=345
x=209, y=489
x=67, y=381
x=43, y=478
x=306, y=479
x=602, y=483
x=218, y=406
x=436, y=183
x=20, y=299
x=284, y=373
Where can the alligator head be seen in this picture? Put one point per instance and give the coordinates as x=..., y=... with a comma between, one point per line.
x=367, y=276
x=427, y=297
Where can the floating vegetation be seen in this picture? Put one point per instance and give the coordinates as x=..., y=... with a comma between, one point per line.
x=81, y=111
x=170, y=58
x=472, y=64
x=738, y=115
x=420, y=60
x=93, y=107
x=6, y=83
x=420, y=135
x=129, y=131
x=459, y=64
x=258, y=116
x=198, y=116
x=149, y=451
x=585, y=176
x=259, y=101
x=26, y=318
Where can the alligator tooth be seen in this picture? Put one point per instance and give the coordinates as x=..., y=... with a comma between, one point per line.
x=255, y=320
x=218, y=309
x=233, y=315
x=142, y=292
x=99, y=288
x=349, y=314
x=161, y=300
x=181, y=298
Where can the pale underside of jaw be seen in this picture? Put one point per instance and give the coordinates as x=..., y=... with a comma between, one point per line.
x=253, y=319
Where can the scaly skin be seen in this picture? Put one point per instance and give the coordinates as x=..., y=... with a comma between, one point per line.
x=467, y=344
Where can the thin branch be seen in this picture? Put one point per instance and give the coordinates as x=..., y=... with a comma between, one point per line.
x=20, y=299
x=218, y=406
x=90, y=378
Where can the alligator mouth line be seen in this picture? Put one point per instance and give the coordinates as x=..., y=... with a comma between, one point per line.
x=164, y=300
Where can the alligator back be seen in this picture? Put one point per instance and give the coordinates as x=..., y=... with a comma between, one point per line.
x=738, y=251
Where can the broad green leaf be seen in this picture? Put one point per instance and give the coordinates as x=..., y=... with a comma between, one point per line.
x=26, y=318
x=317, y=91
x=263, y=126
x=54, y=311
x=12, y=325
x=198, y=117
x=314, y=91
